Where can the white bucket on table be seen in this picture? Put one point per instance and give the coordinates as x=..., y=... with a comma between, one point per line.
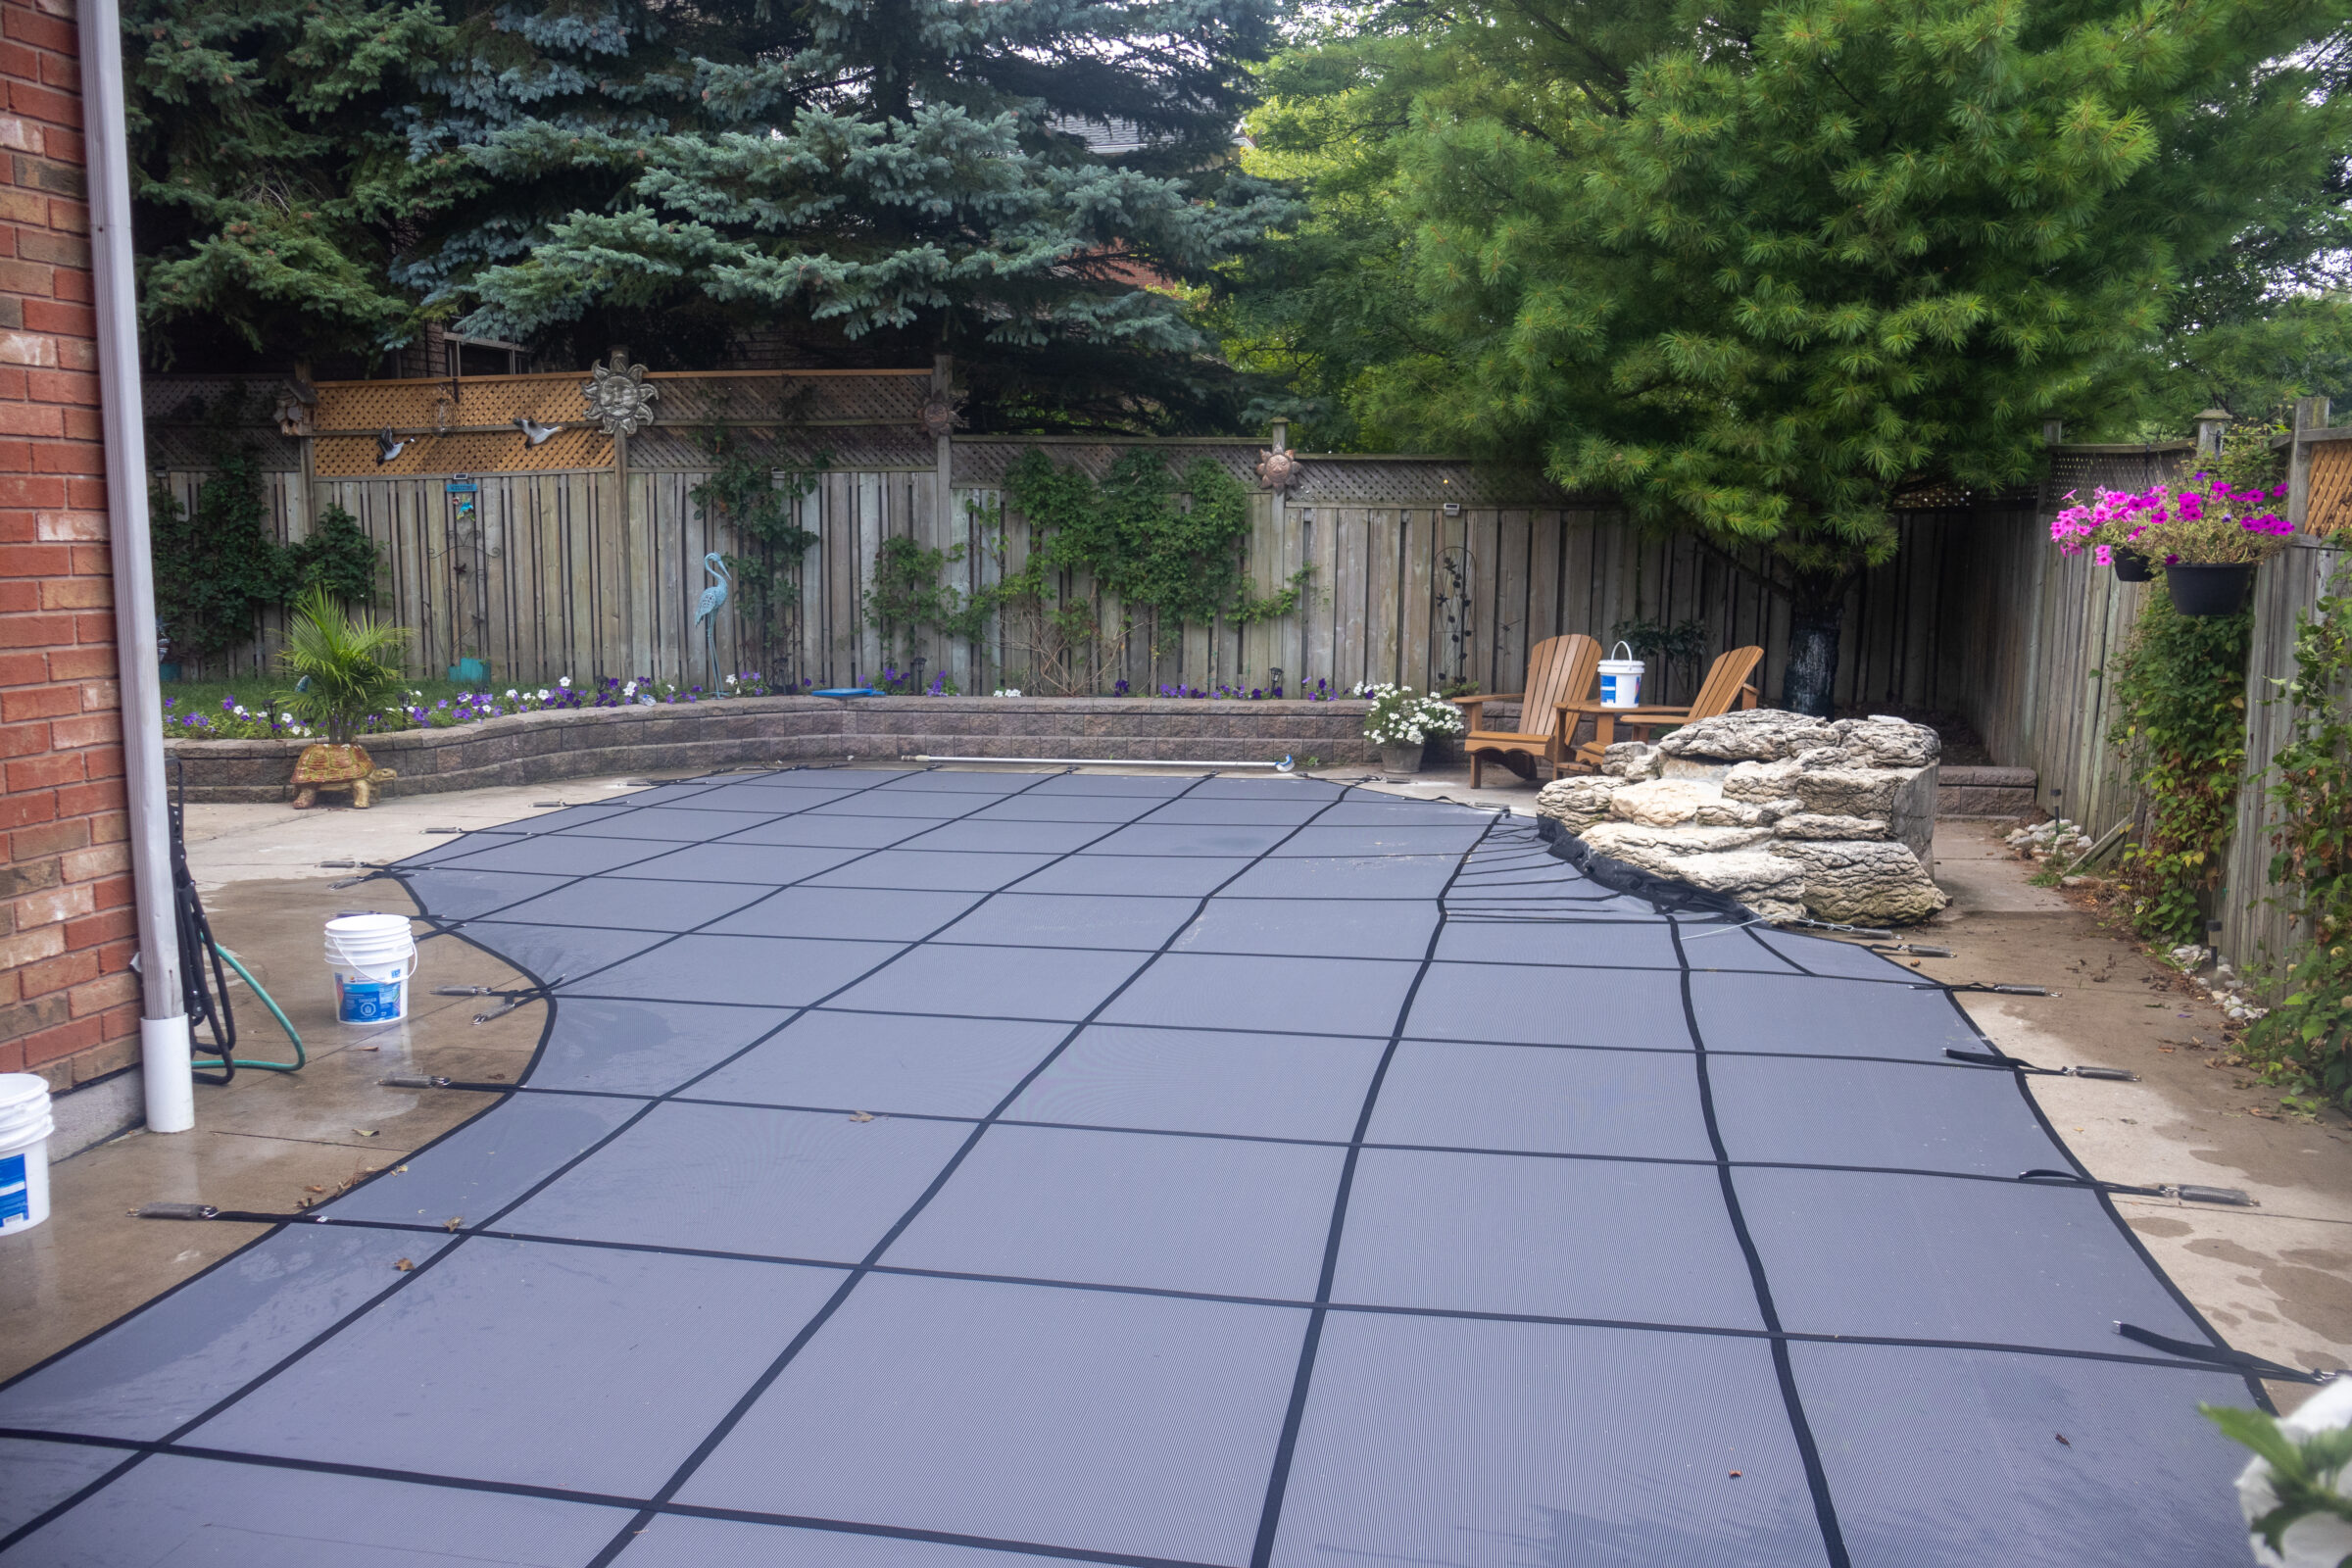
x=373, y=958
x=25, y=1128
x=1621, y=681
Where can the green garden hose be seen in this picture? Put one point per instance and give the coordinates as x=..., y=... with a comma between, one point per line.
x=276, y=1011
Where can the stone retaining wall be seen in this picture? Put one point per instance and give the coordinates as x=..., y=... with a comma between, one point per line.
x=538, y=748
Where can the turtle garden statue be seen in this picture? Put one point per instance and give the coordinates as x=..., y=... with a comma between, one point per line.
x=327, y=766
x=343, y=680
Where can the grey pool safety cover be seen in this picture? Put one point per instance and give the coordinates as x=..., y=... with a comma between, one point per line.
x=971, y=1169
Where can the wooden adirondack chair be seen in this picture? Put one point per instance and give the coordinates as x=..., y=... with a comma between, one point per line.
x=1560, y=671
x=1726, y=682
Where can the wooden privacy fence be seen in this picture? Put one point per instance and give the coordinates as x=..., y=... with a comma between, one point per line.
x=584, y=557
x=2034, y=628
x=1417, y=569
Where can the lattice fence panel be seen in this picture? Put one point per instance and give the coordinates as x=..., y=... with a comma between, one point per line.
x=865, y=448
x=494, y=450
x=877, y=397
x=191, y=446
x=2330, y=508
x=489, y=401
x=2085, y=472
x=982, y=462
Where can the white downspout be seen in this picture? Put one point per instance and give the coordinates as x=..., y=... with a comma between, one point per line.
x=164, y=1051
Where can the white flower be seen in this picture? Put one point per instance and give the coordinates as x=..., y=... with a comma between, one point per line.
x=511, y=694
x=563, y=681
x=544, y=694
x=628, y=688
x=285, y=719
x=241, y=713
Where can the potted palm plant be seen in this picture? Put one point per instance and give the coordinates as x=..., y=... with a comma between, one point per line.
x=345, y=667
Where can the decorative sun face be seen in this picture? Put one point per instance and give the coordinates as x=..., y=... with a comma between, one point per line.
x=618, y=398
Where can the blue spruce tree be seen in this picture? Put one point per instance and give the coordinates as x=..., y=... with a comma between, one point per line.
x=871, y=181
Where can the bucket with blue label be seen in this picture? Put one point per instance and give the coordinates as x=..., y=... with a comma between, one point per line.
x=372, y=959
x=25, y=1128
x=1621, y=679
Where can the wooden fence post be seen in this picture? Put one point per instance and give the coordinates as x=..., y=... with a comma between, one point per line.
x=2311, y=413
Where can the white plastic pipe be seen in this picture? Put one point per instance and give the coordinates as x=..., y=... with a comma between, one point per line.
x=163, y=1017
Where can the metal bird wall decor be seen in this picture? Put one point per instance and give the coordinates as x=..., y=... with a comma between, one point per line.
x=706, y=608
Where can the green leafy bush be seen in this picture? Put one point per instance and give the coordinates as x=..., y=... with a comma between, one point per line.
x=216, y=567
x=337, y=556
x=217, y=564
x=2306, y=1038
x=2182, y=726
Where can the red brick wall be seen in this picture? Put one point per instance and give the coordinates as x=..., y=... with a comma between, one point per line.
x=68, y=998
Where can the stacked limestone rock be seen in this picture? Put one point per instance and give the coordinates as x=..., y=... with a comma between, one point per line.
x=1789, y=814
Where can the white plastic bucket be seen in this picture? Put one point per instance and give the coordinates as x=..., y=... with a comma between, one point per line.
x=25, y=1128
x=373, y=958
x=1621, y=681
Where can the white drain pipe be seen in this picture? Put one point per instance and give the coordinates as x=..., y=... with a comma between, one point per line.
x=163, y=1046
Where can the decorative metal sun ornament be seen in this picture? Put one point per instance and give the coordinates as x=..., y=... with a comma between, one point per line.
x=943, y=413
x=617, y=397
x=1278, y=470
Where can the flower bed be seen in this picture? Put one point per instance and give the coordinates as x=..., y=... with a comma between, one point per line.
x=586, y=739
x=232, y=720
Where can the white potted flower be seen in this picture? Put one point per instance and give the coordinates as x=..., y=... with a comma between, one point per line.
x=1402, y=721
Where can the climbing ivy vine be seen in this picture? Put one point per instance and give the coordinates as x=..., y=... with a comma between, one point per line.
x=908, y=593
x=2179, y=688
x=744, y=491
x=2305, y=1039
x=1165, y=545
x=1169, y=547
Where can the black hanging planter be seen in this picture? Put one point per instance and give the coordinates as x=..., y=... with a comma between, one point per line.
x=2209, y=590
x=2130, y=566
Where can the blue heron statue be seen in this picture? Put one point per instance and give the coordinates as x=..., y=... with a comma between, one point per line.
x=705, y=612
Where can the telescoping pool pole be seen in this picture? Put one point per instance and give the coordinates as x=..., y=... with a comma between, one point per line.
x=1282, y=767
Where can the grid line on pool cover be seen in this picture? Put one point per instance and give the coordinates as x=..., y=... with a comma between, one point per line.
x=1160, y=1147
